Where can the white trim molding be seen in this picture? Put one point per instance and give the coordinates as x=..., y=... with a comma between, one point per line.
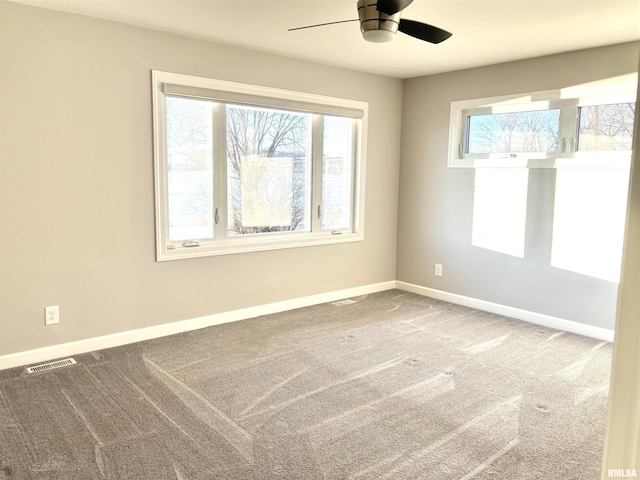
x=122, y=338
x=622, y=437
x=517, y=313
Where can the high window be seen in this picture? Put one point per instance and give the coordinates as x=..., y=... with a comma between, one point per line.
x=585, y=136
x=544, y=129
x=243, y=168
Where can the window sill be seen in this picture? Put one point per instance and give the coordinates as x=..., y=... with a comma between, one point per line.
x=230, y=247
x=602, y=159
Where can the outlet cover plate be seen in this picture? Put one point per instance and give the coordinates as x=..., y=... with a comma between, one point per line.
x=51, y=315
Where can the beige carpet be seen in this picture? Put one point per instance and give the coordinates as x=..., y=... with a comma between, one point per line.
x=386, y=386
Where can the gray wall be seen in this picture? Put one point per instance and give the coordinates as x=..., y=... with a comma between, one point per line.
x=76, y=182
x=436, y=203
x=76, y=185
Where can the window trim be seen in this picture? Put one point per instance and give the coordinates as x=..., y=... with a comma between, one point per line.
x=566, y=156
x=265, y=97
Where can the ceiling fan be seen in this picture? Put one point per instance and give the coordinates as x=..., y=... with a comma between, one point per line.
x=380, y=21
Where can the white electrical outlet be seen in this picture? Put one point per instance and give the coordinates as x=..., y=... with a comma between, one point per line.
x=438, y=270
x=51, y=315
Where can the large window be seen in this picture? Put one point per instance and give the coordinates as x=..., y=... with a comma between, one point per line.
x=243, y=168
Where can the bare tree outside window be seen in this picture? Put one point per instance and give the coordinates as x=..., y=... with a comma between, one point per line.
x=606, y=127
x=337, y=173
x=190, y=164
x=516, y=132
x=268, y=170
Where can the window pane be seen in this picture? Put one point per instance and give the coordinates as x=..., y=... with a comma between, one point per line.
x=606, y=127
x=268, y=170
x=190, y=165
x=337, y=173
x=517, y=132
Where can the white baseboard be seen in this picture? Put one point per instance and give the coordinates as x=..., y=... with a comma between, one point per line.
x=532, y=317
x=114, y=340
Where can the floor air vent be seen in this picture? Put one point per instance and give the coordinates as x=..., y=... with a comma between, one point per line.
x=51, y=365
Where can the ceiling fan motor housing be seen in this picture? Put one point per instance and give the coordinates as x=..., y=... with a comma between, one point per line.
x=376, y=26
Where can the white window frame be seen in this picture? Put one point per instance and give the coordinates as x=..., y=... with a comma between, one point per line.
x=567, y=156
x=172, y=84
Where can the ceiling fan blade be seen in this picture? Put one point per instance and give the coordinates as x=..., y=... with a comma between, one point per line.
x=422, y=31
x=321, y=25
x=391, y=7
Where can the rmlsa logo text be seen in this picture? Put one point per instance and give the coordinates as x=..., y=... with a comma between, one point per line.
x=622, y=473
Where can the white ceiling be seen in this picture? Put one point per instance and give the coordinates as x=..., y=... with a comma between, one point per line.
x=484, y=31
